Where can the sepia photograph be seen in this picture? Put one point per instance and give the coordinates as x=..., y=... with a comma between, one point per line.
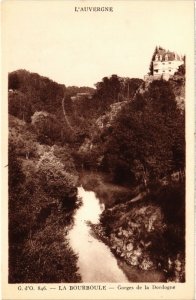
x=98, y=144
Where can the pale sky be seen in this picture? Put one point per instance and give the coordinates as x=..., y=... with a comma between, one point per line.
x=49, y=38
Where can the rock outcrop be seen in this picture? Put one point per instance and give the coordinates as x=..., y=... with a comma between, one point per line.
x=135, y=236
x=106, y=120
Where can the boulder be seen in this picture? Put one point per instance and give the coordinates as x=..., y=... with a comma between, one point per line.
x=134, y=260
x=124, y=247
x=112, y=236
x=138, y=252
x=113, y=246
x=120, y=232
x=129, y=246
x=178, y=263
x=128, y=254
x=120, y=243
x=146, y=264
x=118, y=251
x=133, y=225
x=130, y=232
x=117, y=240
x=178, y=268
x=125, y=233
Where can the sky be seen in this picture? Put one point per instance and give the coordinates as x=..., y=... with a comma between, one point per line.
x=49, y=38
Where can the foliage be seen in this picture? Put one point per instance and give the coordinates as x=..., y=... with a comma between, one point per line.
x=16, y=175
x=47, y=127
x=40, y=91
x=19, y=106
x=108, y=87
x=141, y=144
x=181, y=70
x=45, y=256
x=38, y=249
x=129, y=87
x=42, y=198
x=152, y=59
x=22, y=139
x=13, y=81
x=114, y=88
x=37, y=99
x=147, y=137
x=55, y=180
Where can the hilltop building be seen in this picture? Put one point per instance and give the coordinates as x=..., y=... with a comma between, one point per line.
x=164, y=64
x=82, y=96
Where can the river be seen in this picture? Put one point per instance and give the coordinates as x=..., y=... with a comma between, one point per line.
x=95, y=260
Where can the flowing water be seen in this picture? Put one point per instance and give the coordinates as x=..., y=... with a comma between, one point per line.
x=95, y=261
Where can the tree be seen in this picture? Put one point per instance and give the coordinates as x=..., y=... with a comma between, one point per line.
x=181, y=70
x=16, y=175
x=152, y=59
x=56, y=181
x=146, y=140
x=48, y=128
x=129, y=86
x=13, y=81
x=161, y=96
x=19, y=106
x=108, y=89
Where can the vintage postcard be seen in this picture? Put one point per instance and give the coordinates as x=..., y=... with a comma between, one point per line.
x=98, y=149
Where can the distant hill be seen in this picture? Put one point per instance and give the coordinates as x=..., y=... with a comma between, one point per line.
x=39, y=92
x=30, y=93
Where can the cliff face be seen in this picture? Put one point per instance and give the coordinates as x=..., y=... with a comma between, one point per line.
x=177, y=84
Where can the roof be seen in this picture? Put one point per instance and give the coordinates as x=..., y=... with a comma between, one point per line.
x=170, y=55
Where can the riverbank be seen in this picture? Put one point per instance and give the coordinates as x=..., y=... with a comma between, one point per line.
x=132, y=272
x=142, y=238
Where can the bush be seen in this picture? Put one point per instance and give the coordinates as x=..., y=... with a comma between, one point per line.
x=55, y=180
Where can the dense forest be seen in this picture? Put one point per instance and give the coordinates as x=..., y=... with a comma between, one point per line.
x=132, y=131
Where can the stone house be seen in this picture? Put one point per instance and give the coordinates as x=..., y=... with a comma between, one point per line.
x=165, y=64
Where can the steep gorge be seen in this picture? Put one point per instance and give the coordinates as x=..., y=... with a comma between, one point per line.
x=133, y=132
